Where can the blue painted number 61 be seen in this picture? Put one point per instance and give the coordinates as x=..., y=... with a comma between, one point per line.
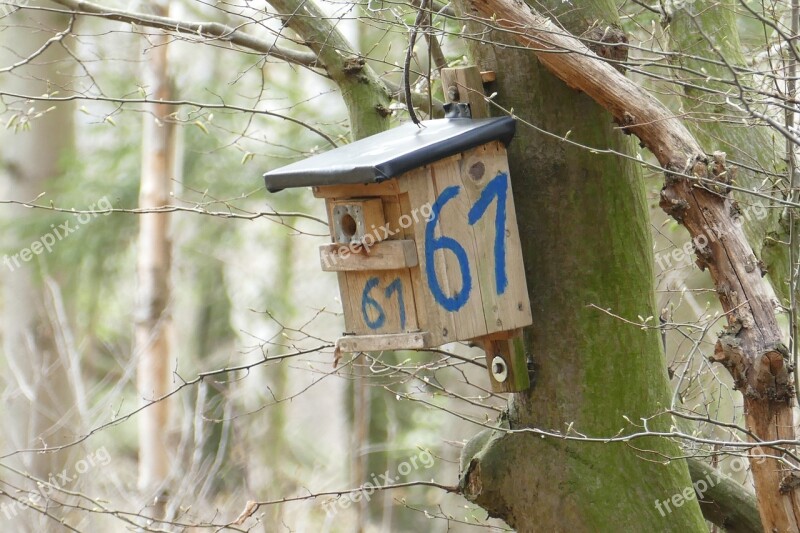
x=369, y=303
x=496, y=188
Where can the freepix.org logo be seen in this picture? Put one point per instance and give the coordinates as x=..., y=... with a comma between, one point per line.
x=424, y=459
x=41, y=495
x=57, y=233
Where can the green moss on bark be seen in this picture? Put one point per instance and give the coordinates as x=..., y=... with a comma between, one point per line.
x=586, y=242
x=705, y=37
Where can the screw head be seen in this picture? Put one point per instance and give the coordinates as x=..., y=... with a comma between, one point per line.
x=499, y=369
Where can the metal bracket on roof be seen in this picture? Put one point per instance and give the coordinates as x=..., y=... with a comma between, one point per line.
x=457, y=110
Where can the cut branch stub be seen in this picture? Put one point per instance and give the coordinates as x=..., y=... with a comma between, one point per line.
x=766, y=378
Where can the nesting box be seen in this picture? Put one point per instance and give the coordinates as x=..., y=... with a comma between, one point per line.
x=424, y=240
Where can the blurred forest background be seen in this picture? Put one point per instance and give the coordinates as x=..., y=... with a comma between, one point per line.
x=225, y=284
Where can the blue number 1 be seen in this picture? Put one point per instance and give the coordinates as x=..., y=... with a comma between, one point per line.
x=397, y=286
x=497, y=188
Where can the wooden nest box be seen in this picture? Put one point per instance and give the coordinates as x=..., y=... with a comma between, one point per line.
x=424, y=240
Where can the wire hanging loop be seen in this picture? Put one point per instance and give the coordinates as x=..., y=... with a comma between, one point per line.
x=412, y=39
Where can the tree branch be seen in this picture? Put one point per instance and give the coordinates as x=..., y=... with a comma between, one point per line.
x=194, y=30
x=724, y=502
x=199, y=105
x=331, y=52
x=365, y=95
x=418, y=99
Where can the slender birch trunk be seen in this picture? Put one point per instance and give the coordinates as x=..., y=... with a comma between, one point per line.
x=153, y=320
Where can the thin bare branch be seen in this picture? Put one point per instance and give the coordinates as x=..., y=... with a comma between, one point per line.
x=194, y=30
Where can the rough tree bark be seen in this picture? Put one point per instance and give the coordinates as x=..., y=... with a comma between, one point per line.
x=696, y=195
x=585, y=235
x=703, y=36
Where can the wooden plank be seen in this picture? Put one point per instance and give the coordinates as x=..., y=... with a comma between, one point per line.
x=503, y=335
x=410, y=232
x=374, y=300
x=344, y=290
x=329, y=212
x=376, y=343
x=421, y=191
x=359, y=190
x=506, y=307
x=464, y=84
x=347, y=308
x=506, y=359
x=460, y=291
x=386, y=255
x=392, y=211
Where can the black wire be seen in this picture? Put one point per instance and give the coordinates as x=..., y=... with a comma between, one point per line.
x=423, y=6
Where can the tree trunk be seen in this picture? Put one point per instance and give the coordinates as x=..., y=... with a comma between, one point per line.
x=585, y=238
x=38, y=401
x=696, y=195
x=153, y=321
x=700, y=34
x=708, y=30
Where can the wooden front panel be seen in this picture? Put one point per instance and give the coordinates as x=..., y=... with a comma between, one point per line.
x=470, y=278
x=456, y=289
x=381, y=300
x=471, y=266
x=421, y=191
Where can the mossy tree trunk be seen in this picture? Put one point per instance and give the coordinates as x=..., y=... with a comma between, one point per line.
x=704, y=36
x=586, y=241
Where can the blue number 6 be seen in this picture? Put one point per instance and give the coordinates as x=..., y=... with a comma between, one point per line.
x=433, y=243
x=369, y=301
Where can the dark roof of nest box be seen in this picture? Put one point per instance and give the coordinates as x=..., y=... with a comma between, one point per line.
x=391, y=153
